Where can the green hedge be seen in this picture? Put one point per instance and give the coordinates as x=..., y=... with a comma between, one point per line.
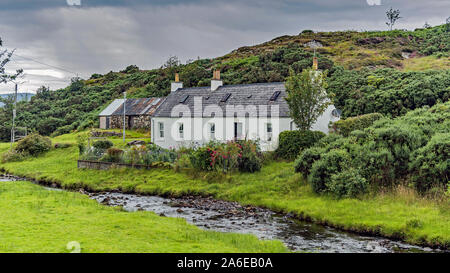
x=291, y=143
x=346, y=126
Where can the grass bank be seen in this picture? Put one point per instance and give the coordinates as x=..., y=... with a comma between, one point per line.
x=399, y=214
x=38, y=220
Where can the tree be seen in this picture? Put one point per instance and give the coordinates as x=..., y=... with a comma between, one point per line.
x=5, y=58
x=307, y=97
x=393, y=16
x=426, y=25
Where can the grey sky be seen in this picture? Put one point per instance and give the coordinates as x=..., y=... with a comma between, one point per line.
x=100, y=36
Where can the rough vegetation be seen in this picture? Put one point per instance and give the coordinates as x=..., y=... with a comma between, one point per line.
x=410, y=149
x=389, y=92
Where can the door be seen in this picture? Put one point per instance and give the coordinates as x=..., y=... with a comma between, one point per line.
x=107, y=123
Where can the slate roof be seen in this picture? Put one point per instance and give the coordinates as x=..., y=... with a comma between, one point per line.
x=133, y=107
x=242, y=94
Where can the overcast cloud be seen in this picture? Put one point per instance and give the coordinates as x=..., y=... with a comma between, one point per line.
x=100, y=36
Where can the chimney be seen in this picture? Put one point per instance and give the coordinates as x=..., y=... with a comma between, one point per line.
x=216, y=82
x=315, y=63
x=176, y=84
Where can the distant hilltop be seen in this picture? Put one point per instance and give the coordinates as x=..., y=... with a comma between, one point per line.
x=20, y=97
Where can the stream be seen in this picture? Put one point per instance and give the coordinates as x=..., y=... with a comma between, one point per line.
x=223, y=216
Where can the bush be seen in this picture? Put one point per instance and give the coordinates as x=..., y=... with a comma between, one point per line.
x=346, y=126
x=306, y=159
x=431, y=165
x=13, y=156
x=102, y=144
x=114, y=154
x=348, y=183
x=291, y=143
x=331, y=163
x=249, y=159
x=244, y=156
x=34, y=145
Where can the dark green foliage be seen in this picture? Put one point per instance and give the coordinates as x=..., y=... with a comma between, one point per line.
x=34, y=145
x=102, y=144
x=348, y=183
x=387, y=91
x=249, y=159
x=306, y=159
x=201, y=158
x=431, y=164
x=333, y=162
x=346, y=126
x=389, y=152
x=291, y=143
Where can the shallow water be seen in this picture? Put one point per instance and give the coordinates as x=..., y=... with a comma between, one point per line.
x=211, y=214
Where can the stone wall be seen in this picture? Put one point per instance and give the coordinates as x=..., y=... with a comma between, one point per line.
x=132, y=122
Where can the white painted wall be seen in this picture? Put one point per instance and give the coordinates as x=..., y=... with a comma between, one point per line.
x=196, y=131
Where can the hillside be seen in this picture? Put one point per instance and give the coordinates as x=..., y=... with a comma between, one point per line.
x=409, y=69
x=20, y=97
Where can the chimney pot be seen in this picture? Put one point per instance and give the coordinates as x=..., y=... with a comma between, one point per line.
x=174, y=86
x=216, y=82
x=315, y=63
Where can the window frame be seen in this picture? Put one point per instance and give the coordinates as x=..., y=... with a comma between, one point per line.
x=161, y=130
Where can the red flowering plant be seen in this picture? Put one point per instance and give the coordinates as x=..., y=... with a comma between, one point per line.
x=227, y=157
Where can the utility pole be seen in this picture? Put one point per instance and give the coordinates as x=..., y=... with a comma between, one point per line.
x=124, y=115
x=13, y=133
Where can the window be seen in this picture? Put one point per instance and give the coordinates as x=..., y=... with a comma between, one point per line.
x=269, y=131
x=238, y=130
x=275, y=96
x=181, y=130
x=184, y=98
x=161, y=129
x=212, y=130
x=225, y=97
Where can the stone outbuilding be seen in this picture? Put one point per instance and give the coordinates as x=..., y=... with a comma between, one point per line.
x=138, y=113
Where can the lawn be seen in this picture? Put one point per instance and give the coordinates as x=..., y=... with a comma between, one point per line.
x=34, y=219
x=398, y=214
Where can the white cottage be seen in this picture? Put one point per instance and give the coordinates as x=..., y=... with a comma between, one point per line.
x=194, y=116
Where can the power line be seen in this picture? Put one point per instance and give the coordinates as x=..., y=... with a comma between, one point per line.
x=49, y=65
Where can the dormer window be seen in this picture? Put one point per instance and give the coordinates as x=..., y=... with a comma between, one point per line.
x=184, y=99
x=225, y=97
x=275, y=96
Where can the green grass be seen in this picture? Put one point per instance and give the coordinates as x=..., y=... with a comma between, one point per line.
x=34, y=219
x=276, y=187
x=426, y=63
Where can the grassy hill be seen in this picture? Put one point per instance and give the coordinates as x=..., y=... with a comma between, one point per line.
x=417, y=62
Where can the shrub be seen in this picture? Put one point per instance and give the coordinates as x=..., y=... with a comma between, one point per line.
x=306, y=159
x=34, y=145
x=13, y=156
x=346, y=126
x=249, y=160
x=431, y=165
x=114, y=154
x=291, y=143
x=102, y=144
x=348, y=183
x=331, y=163
x=244, y=156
